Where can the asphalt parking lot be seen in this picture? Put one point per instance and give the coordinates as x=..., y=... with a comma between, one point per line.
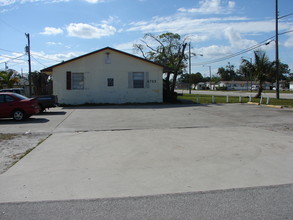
x=144, y=150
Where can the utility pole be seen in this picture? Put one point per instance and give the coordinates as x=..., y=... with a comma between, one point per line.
x=28, y=51
x=277, y=51
x=210, y=68
x=189, y=62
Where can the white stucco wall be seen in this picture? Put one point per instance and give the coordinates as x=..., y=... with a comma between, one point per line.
x=96, y=72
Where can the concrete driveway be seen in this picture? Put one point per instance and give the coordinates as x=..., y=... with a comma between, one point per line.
x=122, y=151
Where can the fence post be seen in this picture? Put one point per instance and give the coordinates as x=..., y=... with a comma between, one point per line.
x=260, y=99
x=268, y=100
x=227, y=99
x=240, y=99
x=197, y=99
x=250, y=99
x=213, y=99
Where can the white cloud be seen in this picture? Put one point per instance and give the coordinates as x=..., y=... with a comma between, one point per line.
x=236, y=40
x=211, y=7
x=52, y=31
x=53, y=43
x=11, y=2
x=110, y=20
x=88, y=31
x=289, y=41
x=215, y=51
x=7, y=2
x=55, y=58
x=94, y=1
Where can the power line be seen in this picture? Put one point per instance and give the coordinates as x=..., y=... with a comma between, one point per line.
x=45, y=58
x=285, y=16
x=13, y=58
x=38, y=61
x=265, y=42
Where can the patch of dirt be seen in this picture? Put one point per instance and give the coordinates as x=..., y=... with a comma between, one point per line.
x=14, y=146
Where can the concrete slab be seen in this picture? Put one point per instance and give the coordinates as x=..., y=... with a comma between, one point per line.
x=104, y=164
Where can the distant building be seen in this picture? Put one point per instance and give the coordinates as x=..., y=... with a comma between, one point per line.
x=242, y=85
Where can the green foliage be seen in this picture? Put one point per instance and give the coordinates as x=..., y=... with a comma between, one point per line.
x=261, y=69
x=8, y=78
x=192, y=78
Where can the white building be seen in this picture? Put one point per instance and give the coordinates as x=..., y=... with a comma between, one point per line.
x=107, y=76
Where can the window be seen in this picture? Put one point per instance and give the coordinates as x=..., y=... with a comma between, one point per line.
x=2, y=99
x=9, y=98
x=110, y=82
x=77, y=81
x=138, y=80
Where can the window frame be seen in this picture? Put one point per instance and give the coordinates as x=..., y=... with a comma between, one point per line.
x=77, y=81
x=138, y=80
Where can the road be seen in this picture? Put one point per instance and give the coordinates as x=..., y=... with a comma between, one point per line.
x=231, y=161
x=237, y=93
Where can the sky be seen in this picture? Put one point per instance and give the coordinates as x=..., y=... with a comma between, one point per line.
x=63, y=29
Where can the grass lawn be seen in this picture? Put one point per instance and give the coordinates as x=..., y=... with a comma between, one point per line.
x=207, y=99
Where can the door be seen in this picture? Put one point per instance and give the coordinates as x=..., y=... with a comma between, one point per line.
x=7, y=103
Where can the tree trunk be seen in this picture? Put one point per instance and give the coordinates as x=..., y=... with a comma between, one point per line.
x=168, y=81
x=174, y=83
x=258, y=95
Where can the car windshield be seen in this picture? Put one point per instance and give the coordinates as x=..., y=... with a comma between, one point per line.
x=20, y=96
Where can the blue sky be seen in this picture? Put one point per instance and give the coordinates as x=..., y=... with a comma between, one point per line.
x=63, y=29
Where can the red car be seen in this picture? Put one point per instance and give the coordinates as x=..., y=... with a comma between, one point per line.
x=16, y=106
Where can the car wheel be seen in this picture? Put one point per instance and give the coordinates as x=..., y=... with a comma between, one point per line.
x=18, y=115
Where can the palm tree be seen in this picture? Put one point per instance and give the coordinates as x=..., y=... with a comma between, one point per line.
x=8, y=78
x=260, y=69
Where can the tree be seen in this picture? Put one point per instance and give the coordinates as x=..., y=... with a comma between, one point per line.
x=227, y=73
x=193, y=78
x=169, y=51
x=41, y=83
x=283, y=69
x=9, y=78
x=261, y=69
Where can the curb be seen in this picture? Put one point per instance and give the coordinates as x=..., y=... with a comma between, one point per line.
x=274, y=106
x=270, y=106
x=253, y=103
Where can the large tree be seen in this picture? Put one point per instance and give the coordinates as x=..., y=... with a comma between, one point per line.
x=261, y=69
x=167, y=49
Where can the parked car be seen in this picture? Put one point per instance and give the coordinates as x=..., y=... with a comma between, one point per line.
x=16, y=106
x=15, y=90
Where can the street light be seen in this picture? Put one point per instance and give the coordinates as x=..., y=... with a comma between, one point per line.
x=189, y=61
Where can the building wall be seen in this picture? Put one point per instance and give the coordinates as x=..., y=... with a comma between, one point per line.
x=96, y=72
